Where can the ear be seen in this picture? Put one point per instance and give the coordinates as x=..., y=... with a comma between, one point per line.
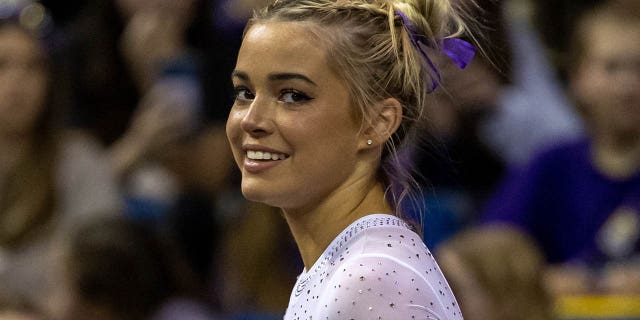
x=383, y=124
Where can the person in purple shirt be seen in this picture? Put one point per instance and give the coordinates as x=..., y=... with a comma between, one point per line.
x=563, y=199
x=581, y=201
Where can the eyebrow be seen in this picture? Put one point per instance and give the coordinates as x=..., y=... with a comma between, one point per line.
x=274, y=77
x=239, y=74
x=290, y=76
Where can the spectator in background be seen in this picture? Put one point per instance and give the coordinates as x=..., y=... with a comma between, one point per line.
x=119, y=269
x=135, y=81
x=50, y=179
x=458, y=167
x=581, y=201
x=137, y=70
x=533, y=112
x=496, y=114
x=135, y=78
x=497, y=273
x=554, y=19
x=257, y=242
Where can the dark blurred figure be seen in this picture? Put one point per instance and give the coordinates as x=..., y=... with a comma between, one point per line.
x=581, y=201
x=257, y=242
x=117, y=269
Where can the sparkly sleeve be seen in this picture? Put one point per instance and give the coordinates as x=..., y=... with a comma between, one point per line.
x=383, y=287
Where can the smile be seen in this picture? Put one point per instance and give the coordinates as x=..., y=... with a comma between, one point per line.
x=263, y=155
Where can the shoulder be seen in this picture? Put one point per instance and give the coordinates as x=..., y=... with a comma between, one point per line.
x=82, y=162
x=392, y=282
x=183, y=308
x=78, y=155
x=556, y=157
x=549, y=165
x=76, y=143
x=84, y=177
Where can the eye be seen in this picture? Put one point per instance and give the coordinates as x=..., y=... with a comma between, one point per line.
x=243, y=93
x=293, y=96
x=612, y=66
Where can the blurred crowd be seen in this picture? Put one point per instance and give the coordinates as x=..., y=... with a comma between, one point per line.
x=119, y=197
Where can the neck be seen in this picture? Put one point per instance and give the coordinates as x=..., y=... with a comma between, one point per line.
x=315, y=228
x=617, y=157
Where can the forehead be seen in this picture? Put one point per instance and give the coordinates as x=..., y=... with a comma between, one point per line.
x=608, y=36
x=283, y=46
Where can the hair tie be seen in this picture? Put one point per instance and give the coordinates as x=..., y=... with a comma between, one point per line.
x=459, y=51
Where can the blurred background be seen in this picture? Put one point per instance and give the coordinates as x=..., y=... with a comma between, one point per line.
x=119, y=198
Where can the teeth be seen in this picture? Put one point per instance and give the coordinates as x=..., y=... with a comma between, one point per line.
x=260, y=155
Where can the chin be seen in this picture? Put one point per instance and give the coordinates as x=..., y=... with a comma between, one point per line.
x=268, y=197
x=255, y=193
x=252, y=195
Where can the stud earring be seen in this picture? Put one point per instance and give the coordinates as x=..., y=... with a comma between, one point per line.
x=369, y=142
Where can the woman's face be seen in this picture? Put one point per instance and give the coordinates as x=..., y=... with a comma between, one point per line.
x=23, y=81
x=293, y=109
x=607, y=81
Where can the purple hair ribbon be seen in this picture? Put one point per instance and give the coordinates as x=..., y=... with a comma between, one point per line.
x=458, y=50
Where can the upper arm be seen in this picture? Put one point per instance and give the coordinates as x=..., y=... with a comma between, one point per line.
x=382, y=287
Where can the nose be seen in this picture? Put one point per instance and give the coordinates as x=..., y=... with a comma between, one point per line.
x=258, y=120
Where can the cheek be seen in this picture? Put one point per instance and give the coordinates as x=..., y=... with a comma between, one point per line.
x=329, y=147
x=589, y=86
x=37, y=90
x=234, y=123
x=234, y=131
x=23, y=101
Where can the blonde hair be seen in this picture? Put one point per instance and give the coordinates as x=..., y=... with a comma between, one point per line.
x=504, y=266
x=370, y=47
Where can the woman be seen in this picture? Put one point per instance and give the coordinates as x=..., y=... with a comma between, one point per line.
x=49, y=180
x=326, y=91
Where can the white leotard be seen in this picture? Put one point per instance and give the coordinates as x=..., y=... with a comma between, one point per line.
x=377, y=268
